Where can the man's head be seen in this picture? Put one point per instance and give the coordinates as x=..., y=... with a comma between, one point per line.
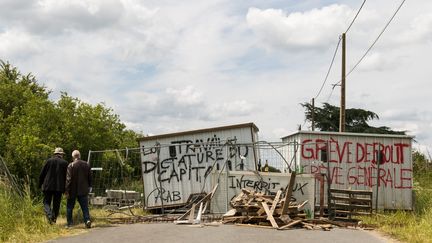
x=58, y=151
x=76, y=155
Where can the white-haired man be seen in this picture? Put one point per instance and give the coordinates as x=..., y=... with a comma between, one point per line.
x=78, y=185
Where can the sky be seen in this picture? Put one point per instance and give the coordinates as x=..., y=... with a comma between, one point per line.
x=168, y=66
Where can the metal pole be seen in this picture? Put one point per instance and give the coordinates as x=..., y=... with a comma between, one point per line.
x=342, y=101
x=226, y=177
x=377, y=185
x=313, y=114
x=328, y=182
x=88, y=157
x=158, y=147
x=295, y=156
x=144, y=202
x=321, y=179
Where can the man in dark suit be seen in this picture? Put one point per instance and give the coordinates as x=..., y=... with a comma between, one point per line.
x=52, y=182
x=78, y=186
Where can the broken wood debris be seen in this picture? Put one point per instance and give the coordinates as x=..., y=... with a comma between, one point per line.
x=254, y=209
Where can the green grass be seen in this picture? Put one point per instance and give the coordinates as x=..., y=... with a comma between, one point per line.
x=22, y=219
x=409, y=226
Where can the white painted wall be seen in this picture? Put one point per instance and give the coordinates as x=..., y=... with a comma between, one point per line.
x=353, y=163
x=186, y=162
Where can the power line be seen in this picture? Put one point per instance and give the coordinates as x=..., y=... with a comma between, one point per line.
x=337, y=47
x=355, y=17
x=331, y=93
x=375, y=41
x=329, y=69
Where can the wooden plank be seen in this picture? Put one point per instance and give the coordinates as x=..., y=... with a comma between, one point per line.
x=261, y=211
x=351, y=206
x=288, y=193
x=270, y=216
x=205, y=207
x=275, y=201
x=230, y=213
x=308, y=226
x=300, y=207
x=239, y=197
x=324, y=221
x=192, y=213
x=352, y=212
x=285, y=218
x=209, y=196
x=351, y=199
x=291, y=224
x=255, y=226
x=358, y=192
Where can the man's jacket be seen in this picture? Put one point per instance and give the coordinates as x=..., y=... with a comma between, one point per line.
x=78, y=179
x=53, y=175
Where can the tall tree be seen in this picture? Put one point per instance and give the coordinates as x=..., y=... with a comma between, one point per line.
x=16, y=91
x=327, y=119
x=32, y=125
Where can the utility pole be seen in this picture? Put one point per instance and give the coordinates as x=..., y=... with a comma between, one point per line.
x=342, y=102
x=313, y=114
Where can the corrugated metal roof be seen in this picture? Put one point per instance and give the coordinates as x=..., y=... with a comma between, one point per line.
x=250, y=124
x=349, y=134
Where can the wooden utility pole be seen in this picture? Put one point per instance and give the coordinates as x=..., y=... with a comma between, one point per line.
x=313, y=114
x=342, y=103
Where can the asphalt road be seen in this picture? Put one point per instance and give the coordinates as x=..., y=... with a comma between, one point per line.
x=169, y=232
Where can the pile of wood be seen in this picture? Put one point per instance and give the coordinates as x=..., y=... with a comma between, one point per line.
x=255, y=209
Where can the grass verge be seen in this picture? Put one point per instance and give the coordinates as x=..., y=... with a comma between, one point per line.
x=409, y=226
x=22, y=219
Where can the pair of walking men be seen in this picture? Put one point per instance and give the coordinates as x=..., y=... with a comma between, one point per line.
x=57, y=177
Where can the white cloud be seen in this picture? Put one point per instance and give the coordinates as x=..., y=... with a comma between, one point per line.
x=166, y=66
x=311, y=29
x=20, y=44
x=376, y=61
x=186, y=96
x=420, y=30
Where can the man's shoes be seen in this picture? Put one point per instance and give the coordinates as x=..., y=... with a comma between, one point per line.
x=88, y=224
x=50, y=221
x=68, y=226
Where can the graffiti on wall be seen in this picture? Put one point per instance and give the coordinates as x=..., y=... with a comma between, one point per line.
x=267, y=185
x=189, y=160
x=359, y=163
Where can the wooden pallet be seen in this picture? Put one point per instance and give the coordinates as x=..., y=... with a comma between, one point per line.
x=348, y=203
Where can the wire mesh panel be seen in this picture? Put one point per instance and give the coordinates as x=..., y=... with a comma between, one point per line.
x=117, y=177
x=274, y=157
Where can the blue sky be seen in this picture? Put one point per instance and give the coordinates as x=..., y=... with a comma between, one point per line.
x=167, y=66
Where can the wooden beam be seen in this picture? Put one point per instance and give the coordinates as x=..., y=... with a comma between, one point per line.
x=192, y=213
x=295, y=222
x=275, y=202
x=209, y=196
x=269, y=215
x=255, y=226
x=288, y=193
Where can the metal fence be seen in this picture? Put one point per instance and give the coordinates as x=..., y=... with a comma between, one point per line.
x=8, y=179
x=118, y=176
